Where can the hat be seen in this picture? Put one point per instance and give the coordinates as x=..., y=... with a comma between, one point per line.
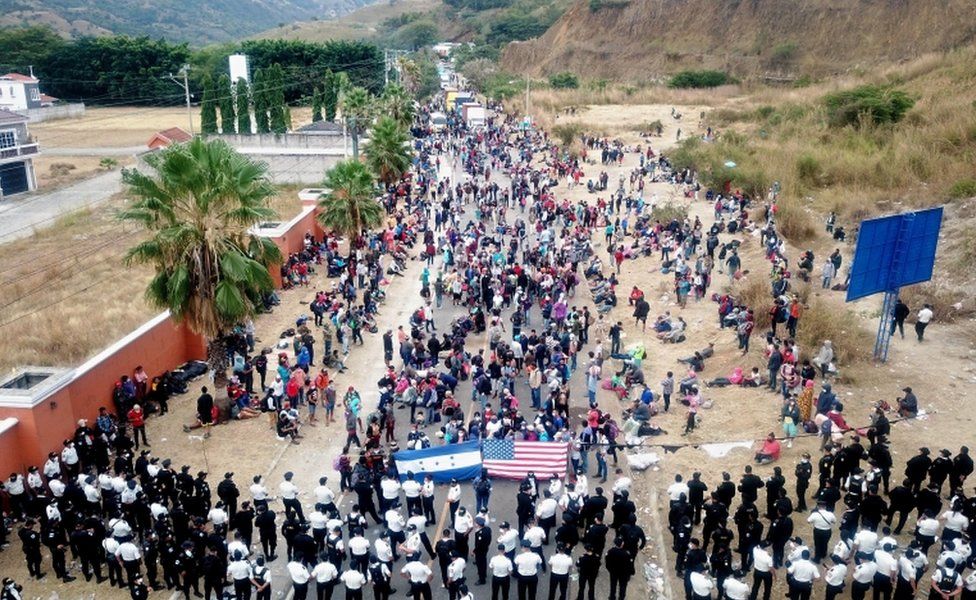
x=228, y=475
x=479, y=521
x=167, y=462
x=201, y=473
x=907, y=389
x=526, y=544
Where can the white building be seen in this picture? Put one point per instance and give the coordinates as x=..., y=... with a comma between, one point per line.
x=17, y=151
x=21, y=92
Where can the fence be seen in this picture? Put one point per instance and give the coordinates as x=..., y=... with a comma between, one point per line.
x=53, y=113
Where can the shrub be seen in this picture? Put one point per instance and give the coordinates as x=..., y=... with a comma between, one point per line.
x=564, y=81
x=669, y=211
x=808, y=169
x=567, y=132
x=964, y=188
x=783, y=54
x=874, y=104
x=699, y=79
x=793, y=222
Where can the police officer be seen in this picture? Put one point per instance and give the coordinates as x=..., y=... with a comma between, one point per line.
x=31, y=543
x=482, y=545
x=56, y=542
x=227, y=491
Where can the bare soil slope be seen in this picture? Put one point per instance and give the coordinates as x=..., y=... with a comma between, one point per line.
x=644, y=39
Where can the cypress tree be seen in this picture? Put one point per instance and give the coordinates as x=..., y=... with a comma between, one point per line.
x=330, y=95
x=260, y=103
x=225, y=98
x=208, y=108
x=243, y=108
x=316, y=105
x=276, y=99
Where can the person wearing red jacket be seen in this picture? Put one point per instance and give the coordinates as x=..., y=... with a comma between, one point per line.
x=137, y=420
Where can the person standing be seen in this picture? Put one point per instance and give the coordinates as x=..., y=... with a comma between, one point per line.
x=289, y=497
x=482, y=545
x=354, y=581
x=30, y=541
x=240, y=573
x=922, y=320
x=560, y=565
x=803, y=472
x=419, y=576
x=527, y=572
x=898, y=315
x=299, y=578
x=137, y=420
x=588, y=567
x=261, y=579
x=620, y=566
x=803, y=574
x=822, y=521
x=501, y=573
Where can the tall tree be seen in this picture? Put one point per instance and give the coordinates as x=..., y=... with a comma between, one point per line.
x=198, y=205
x=316, y=105
x=225, y=99
x=208, y=108
x=388, y=152
x=260, y=99
x=357, y=110
x=350, y=206
x=398, y=104
x=330, y=95
x=276, y=99
x=243, y=107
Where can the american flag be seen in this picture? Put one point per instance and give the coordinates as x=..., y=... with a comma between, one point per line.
x=513, y=459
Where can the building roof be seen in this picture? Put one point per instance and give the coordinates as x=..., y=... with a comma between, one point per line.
x=9, y=117
x=46, y=98
x=19, y=77
x=321, y=127
x=173, y=135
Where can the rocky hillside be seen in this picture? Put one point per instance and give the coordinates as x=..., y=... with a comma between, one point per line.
x=194, y=21
x=644, y=39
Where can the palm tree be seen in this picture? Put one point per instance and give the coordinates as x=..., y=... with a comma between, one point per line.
x=398, y=104
x=388, y=152
x=350, y=205
x=198, y=207
x=357, y=110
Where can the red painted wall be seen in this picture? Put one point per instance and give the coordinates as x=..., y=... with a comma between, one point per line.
x=44, y=427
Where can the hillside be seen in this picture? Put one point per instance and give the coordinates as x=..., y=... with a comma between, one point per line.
x=191, y=21
x=361, y=24
x=643, y=39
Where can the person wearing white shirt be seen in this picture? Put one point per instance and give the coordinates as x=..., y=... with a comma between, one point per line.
x=701, y=585
x=427, y=499
x=582, y=485
x=411, y=492
x=240, y=572
x=501, y=568
x=325, y=575
x=863, y=577
x=299, y=579
x=383, y=550
x=453, y=498
x=236, y=546
x=289, y=497
x=865, y=541
x=925, y=531
x=395, y=524
x=676, y=489
x=555, y=487
x=922, y=320
x=763, y=569
x=834, y=579
x=823, y=522
x=130, y=556
x=158, y=510
x=508, y=538
x=389, y=493
x=53, y=512
x=455, y=576
x=419, y=576
x=545, y=513
x=419, y=522
x=560, y=564
x=218, y=516
x=324, y=494
x=261, y=579
x=946, y=583
x=907, y=584
x=52, y=466
x=735, y=588
x=463, y=524
x=259, y=493
x=621, y=484
x=358, y=551
x=887, y=571
x=57, y=487
x=804, y=573
x=527, y=565
x=34, y=481
x=319, y=522
x=354, y=582
x=955, y=523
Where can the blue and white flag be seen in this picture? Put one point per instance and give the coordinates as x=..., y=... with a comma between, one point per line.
x=443, y=463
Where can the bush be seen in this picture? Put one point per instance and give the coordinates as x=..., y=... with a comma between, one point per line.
x=564, y=81
x=873, y=104
x=699, y=79
x=783, y=54
x=669, y=211
x=793, y=222
x=808, y=169
x=567, y=132
x=964, y=188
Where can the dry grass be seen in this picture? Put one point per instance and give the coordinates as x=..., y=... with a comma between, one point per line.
x=360, y=24
x=49, y=175
x=65, y=292
x=112, y=127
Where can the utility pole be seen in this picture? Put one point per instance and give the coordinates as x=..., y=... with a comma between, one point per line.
x=185, y=84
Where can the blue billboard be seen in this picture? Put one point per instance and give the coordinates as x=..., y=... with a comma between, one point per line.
x=894, y=251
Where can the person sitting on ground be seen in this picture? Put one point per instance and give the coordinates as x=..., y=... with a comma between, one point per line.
x=701, y=355
x=770, y=450
x=677, y=333
x=635, y=295
x=736, y=378
x=753, y=379
x=908, y=404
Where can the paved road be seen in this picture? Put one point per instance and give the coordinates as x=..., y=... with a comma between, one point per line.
x=21, y=215
x=95, y=151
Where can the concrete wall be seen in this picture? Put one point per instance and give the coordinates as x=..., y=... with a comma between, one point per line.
x=285, y=141
x=52, y=113
x=159, y=345
x=296, y=168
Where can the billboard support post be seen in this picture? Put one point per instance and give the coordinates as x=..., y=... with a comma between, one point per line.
x=884, y=328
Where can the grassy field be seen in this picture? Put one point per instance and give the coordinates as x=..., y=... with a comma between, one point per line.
x=65, y=292
x=112, y=127
x=358, y=25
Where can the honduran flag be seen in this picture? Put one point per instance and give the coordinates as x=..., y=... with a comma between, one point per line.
x=443, y=463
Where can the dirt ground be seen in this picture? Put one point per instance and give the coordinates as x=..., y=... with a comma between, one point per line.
x=941, y=371
x=112, y=127
x=54, y=172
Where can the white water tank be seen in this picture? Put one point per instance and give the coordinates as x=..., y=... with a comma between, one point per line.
x=238, y=68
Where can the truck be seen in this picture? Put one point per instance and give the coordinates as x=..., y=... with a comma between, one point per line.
x=474, y=114
x=438, y=121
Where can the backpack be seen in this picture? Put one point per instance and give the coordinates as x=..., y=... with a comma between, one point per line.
x=825, y=427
